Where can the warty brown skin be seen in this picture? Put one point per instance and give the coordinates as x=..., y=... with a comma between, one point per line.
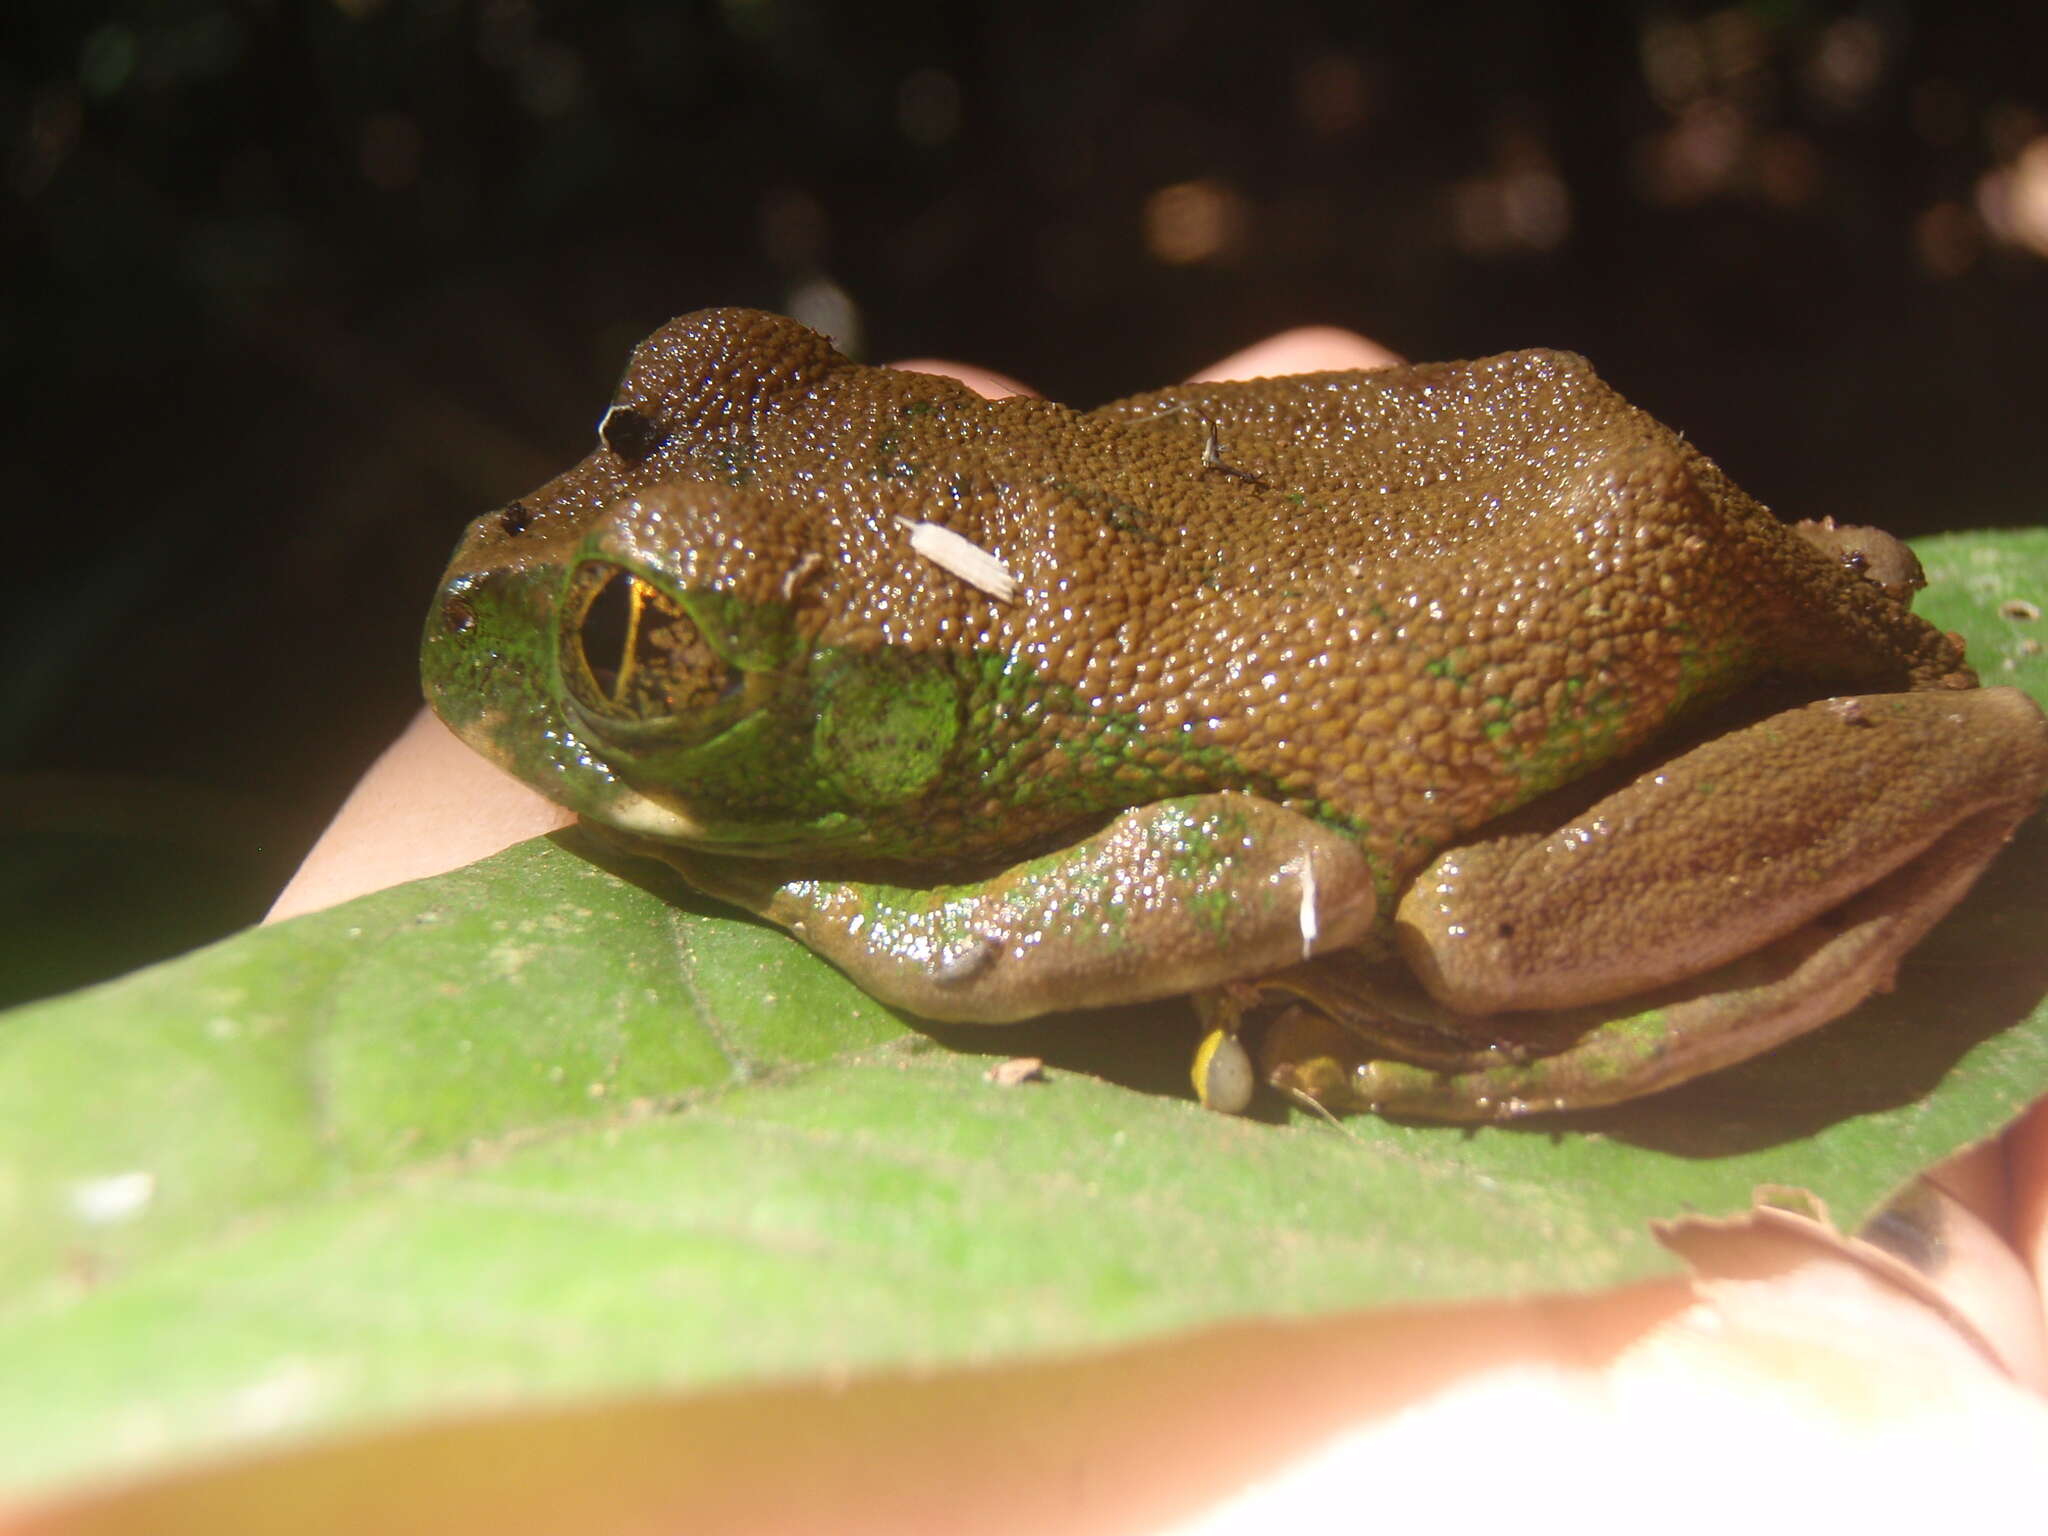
x=1529, y=575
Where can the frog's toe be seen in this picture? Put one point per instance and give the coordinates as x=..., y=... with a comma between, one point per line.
x=1225, y=1080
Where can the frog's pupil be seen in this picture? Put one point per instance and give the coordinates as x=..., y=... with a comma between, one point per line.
x=631, y=652
x=606, y=630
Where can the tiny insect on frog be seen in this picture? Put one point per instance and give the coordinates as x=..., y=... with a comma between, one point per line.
x=1460, y=713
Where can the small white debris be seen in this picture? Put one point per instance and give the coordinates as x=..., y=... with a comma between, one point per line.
x=800, y=573
x=1018, y=1069
x=963, y=557
x=117, y=1197
x=1849, y=710
x=1303, y=868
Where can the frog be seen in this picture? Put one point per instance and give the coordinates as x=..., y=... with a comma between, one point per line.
x=1458, y=737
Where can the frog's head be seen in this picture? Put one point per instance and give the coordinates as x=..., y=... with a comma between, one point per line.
x=668, y=674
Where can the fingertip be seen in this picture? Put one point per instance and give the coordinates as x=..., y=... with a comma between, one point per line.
x=2026, y=1161
x=983, y=381
x=1305, y=349
x=427, y=805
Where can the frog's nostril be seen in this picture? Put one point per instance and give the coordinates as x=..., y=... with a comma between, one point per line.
x=458, y=615
x=631, y=434
x=513, y=520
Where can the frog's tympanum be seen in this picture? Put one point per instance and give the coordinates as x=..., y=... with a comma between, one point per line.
x=1461, y=714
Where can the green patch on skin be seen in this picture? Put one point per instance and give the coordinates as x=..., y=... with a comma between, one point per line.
x=1084, y=892
x=1618, y=1051
x=886, y=722
x=1114, y=750
x=762, y=766
x=1587, y=730
x=942, y=924
x=1202, y=847
x=1212, y=906
x=1707, y=672
x=1450, y=666
x=836, y=752
x=1336, y=816
x=496, y=672
x=937, y=926
x=1086, y=903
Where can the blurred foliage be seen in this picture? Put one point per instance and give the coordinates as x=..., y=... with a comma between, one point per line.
x=296, y=288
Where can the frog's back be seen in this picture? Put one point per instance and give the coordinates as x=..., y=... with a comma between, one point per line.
x=1401, y=600
x=1415, y=460
x=1408, y=600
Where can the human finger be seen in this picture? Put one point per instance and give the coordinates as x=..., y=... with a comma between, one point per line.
x=429, y=804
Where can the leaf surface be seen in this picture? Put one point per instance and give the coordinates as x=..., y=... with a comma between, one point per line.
x=529, y=1133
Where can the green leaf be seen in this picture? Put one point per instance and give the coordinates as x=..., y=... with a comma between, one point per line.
x=530, y=1133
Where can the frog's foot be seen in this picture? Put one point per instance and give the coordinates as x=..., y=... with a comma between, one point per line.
x=1334, y=1007
x=1683, y=924
x=1869, y=552
x=1614, y=1052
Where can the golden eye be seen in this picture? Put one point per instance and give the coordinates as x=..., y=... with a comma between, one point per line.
x=629, y=650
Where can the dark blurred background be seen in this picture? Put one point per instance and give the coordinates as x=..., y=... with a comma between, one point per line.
x=294, y=289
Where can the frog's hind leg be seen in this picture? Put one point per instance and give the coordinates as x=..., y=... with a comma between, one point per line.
x=1727, y=901
x=1736, y=842
x=1661, y=1039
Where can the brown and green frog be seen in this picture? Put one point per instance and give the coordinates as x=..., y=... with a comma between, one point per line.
x=1461, y=713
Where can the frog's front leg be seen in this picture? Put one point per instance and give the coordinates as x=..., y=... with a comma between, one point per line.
x=1730, y=899
x=1167, y=898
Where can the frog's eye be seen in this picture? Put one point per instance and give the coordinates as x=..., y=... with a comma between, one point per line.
x=631, y=434
x=629, y=650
